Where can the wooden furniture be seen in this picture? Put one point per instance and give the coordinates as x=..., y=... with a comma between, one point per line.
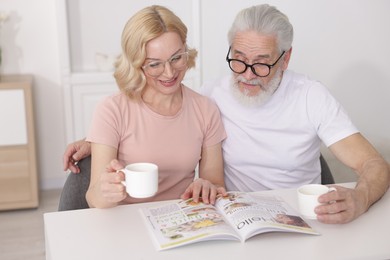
x=18, y=171
x=120, y=233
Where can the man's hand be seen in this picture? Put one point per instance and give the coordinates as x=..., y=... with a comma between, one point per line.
x=341, y=206
x=75, y=152
x=358, y=154
x=205, y=189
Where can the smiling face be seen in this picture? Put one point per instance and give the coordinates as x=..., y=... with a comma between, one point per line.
x=253, y=47
x=161, y=49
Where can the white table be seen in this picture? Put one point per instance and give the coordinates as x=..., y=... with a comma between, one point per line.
x=119, y=233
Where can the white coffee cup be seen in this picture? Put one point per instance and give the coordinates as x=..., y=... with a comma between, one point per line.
x=141, y=179
x=308, y=198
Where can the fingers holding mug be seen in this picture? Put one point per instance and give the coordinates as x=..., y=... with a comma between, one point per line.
x=111, y=188
x=340, y=207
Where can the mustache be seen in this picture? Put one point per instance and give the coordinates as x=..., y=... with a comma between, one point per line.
x=257, y=82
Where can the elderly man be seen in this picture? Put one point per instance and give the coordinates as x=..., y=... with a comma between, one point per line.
x=276, y=119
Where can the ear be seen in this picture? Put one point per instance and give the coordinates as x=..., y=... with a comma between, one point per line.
x=286, y=59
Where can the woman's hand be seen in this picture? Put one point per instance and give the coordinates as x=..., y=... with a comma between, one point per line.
x=108, y=190
x=204, y=189
x=111, y=187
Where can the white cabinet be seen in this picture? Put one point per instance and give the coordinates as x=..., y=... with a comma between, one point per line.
x=18, y=170
x=90, y=29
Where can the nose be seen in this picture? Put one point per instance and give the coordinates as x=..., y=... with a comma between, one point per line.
x=248, y=74
x=168, y=71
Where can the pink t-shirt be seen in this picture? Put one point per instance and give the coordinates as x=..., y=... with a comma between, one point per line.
x=174, y=143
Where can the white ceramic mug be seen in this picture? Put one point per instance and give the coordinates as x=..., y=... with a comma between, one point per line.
x=141, y=179
x=308, y=198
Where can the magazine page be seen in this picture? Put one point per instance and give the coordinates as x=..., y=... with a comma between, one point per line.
x=251, y=214
x=186, y=222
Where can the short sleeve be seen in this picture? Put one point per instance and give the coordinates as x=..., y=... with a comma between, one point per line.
x=105, y=123
x=330, y=119
x=214, y=131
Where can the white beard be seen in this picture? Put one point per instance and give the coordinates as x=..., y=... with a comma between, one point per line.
x=262, y=97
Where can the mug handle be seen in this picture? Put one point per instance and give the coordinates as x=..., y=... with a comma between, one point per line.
x=123, y=182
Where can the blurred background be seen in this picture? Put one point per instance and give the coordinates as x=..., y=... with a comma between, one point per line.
x=68, y=46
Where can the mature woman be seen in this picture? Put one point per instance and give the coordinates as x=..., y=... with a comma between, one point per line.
x=155, y=118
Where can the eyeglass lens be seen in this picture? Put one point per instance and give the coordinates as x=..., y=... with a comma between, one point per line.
x=156, y=68
x=259, y=69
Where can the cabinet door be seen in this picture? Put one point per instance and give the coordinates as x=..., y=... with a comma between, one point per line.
x=13, y=129
x=18, y=175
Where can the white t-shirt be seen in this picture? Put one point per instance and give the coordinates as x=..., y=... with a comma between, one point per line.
x=277, y=145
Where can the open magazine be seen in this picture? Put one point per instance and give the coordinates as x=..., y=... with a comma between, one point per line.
x=237, y=216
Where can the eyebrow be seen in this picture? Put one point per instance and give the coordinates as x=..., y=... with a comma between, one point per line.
x=154, y=59
x=257, y=57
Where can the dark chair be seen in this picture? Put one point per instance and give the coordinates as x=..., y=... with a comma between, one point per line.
x=75, y=188
x=76, y=185
x=326, y=174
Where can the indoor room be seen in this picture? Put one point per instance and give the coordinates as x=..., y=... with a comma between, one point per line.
x=57, y=60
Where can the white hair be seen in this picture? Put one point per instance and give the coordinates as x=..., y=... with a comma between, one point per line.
x=264, y=19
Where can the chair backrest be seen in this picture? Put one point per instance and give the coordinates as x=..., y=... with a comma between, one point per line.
x=75, y=187
x=326, y=174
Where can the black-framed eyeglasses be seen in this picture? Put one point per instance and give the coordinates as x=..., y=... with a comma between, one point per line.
x=259, y=69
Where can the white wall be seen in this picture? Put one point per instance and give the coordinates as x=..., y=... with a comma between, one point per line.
x=30, y=45
x=344, y=44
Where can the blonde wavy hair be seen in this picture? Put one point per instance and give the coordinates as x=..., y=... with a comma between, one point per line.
x=147, y=24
